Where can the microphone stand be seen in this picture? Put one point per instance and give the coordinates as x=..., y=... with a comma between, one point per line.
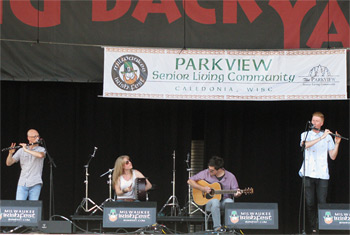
x=175, y=207
x=86, y=199
x=109, y=182
x=307, y=130
x=52, y=163
x=190, y=202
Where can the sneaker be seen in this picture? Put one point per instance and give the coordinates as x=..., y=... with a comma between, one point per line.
x=220, y=229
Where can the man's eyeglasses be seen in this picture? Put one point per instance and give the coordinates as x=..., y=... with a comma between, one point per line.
x=34, y=136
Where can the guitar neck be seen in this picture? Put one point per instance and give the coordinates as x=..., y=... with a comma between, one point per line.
x=225, y=191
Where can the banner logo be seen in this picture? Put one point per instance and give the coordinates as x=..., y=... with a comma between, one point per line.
x=319, y=76
x=234, y=217
x=129, y=72
x=112, y=216
x=328, y=218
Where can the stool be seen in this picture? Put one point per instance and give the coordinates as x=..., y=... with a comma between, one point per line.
x=207, y=216
x=206, y=219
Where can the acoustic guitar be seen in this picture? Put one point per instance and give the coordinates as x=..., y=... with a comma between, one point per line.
x=202, y=198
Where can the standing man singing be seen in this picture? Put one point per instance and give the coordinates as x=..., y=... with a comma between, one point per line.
x=31, y=157
x=318, y=146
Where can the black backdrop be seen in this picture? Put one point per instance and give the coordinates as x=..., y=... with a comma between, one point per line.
x=258, y=140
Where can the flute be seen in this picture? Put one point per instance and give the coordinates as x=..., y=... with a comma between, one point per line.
x=18, y=146
x=330, y=133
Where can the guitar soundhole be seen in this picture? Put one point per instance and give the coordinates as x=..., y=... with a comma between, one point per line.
x=210, y=195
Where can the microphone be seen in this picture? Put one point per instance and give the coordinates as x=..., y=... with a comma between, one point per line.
x=314, y=128
x=93, y=155
x=188, y=158
x=310, y=125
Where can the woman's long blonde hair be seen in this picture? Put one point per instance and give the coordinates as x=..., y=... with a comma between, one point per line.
x=118, y=168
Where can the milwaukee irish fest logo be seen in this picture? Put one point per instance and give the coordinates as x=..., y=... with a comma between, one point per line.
x=129, y=72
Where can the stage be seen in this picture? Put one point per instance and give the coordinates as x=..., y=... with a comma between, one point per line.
x=176, y=224
x=83, y=224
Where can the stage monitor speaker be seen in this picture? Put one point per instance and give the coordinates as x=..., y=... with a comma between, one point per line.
x=20, y=213
x=251, y=215
x=129, y=214
x=334, y=216
x=55, y=226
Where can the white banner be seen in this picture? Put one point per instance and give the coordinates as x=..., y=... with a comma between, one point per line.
x=159, y=73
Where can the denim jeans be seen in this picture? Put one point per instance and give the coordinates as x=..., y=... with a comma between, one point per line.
x=30, y=193
x=314, y=188
x=215, y=207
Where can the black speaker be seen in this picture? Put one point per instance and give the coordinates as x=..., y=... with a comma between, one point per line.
x=334, y=216
x=22, y=213
x=54, y=226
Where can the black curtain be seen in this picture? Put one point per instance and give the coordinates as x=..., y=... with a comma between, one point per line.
x=258, y=140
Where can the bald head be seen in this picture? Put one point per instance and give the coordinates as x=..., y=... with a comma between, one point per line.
x=33, y=136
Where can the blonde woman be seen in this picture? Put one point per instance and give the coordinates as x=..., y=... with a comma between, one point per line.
x=124, y=177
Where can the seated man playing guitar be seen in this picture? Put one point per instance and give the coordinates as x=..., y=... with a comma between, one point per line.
x=213, y=175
